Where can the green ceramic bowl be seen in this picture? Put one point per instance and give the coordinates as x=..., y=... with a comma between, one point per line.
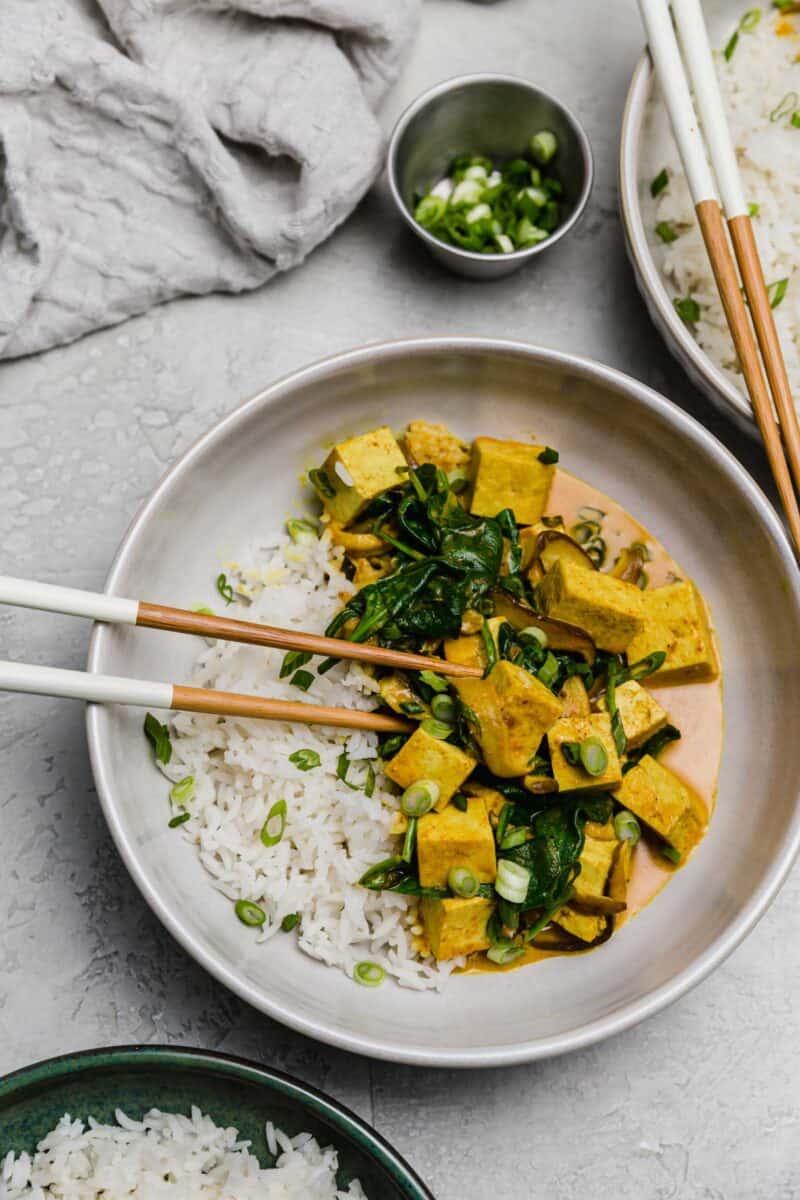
x=231, y=1090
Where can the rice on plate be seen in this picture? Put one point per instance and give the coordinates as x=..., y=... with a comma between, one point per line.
x=338, y=813
x=169, y=1156
x=759, y=72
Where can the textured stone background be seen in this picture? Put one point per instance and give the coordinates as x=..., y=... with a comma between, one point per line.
x=701, y=1102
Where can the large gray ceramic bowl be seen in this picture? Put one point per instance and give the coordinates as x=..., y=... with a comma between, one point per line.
x=646, y=144
x=679, y=482
x=493, y=115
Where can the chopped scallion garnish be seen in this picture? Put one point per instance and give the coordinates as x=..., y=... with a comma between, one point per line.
x=512, y=881
x=687, y=309
x=436, y=729
x=305, y=760
x=666, y=231
x=420, y=797
x=660, y=182
x=369, y=786
x=224, y=588
x=544, y=146
x=275, y=824
x=302, y=680
x=183, y=790
x=158, y=737
x=776, y=291
x=443, y=708
x=368, y=974
x=671, y=854
x=180, y=819
x=730, y=46
x=753, y=210
x=594, y=756
x=302, y=531
x=434, y=681
x=548, y=456
x=249, y=913
x=463, y=882
x=289, y=921
x=626, y=827
x=784, y=107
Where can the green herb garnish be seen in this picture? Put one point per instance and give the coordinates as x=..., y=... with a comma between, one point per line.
x=302, y=680
x=158, y=737
x=289, y=921
x=305, y=760
x=224, y=588
x=776, y=291
x=180, y=819
x=548, y=456
x=688, y=310
x=658, y=184
x=275, y=824
x=249, y=913
x=666, y=231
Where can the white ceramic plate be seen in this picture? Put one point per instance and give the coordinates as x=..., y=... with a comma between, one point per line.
x=646, y=143
x=628, y=441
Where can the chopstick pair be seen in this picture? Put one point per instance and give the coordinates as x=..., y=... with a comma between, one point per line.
x=670, y=47
x=81, y=685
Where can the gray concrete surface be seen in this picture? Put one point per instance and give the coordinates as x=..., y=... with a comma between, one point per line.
x=699, y=1103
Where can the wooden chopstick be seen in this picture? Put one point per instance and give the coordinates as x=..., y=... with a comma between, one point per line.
x=49, y=597
x=677, y=97
x=103, y=689
x=693, y=37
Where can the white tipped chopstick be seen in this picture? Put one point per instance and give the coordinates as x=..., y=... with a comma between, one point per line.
x=105, y=689
x=27, y=593
x=666, y=55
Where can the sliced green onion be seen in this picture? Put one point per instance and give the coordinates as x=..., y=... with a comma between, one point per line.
x=516, y=837
x=490, y=649
x=342, y=767
x=443, y=708
x=412, y=707
x=430, y=210
x=544, y=146
x=529, y=234
x=572, y=753
x=584, y=532
x=289, y=921
x=204, y=610
x=275, y=824
x=180, y=819
x=305, y=760
x=659, y=183
x=504, y=243
x=158, y=737
x=409, y=841
x=466, y=193
x=434, y=681
x=368, y=974
x=183, y=790
x=463, y=882
x=249, y=913
x=730, y=46
x=667, y=231
x=292, y=660
x=302, y=531
x=548, y=671
x=646, y=666
x=795, y=120
x=460, y=801
x=224, y=588
x=302, y=680
x=420, y=797
x=588, y=512
x=320, y=481
x=784, y=107
x=512, y=881
x=626, y=827
x=753, y=210
x=436, y=729
x=535, y=634
x=548, y=456
x=369, y=786
x=480, y=212
x=671, y=854
x=750, y=20
x=776, y=291
x=687, y=309
x=594, y=756
x=476, y=171
x=459, y=482
x=503, y=953
x=597, y=550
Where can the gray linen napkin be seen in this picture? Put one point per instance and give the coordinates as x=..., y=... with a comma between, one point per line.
x=150, y=148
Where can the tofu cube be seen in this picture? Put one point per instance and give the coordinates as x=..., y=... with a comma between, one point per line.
x=515, y=711
x=426, y=757
x=494, y=801
x=454, y=926
x=452, y=838
x=426, y=443
x=641, y=714
x=577, y=729
x=661, y=800
x=675, y=621
x=608, y=609
x=358, y=470
x=596, y=861
x=509, y=475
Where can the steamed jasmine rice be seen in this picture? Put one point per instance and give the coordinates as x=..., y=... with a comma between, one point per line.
x=761, y=88
x=168, y=1156
x=240, y=769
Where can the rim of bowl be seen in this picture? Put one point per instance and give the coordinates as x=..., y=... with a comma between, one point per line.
x=636, y=104
x=186, y=1058
x=446, y=85
x=539, y=1048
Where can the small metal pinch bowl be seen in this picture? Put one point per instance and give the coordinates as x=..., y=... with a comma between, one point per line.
x=494, y=116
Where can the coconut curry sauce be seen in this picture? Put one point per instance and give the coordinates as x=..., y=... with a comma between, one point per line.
x=548, y=798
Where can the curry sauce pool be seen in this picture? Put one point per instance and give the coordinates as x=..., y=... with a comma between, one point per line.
x=532, y=811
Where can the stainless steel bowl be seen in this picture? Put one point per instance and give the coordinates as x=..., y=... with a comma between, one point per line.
x=645, y=141
x=494, y=115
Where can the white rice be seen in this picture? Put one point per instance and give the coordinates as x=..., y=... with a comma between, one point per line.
x=763, y=70
x=168, y=1156
x=241, y=768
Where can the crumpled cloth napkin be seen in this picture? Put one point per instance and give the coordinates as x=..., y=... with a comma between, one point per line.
x=150, y=148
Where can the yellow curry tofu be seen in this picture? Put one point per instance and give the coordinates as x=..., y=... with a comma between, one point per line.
x=577, y=729
x=596, y=860
x=358, y=470
x=426, y=757
x=452, y=838
x=665, y=803
x=641, y=714
x=675, y=621
x=510, y=475
x=435, y=444
x=454, y=927
x=609, y=609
